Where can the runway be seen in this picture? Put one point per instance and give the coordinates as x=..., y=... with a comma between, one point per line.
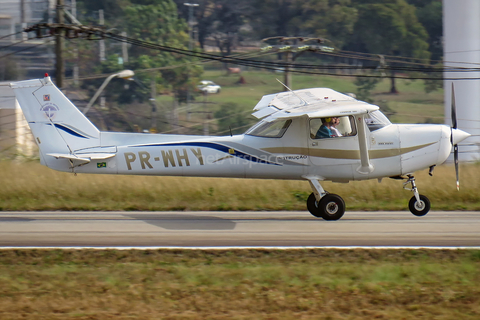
x=235, y=229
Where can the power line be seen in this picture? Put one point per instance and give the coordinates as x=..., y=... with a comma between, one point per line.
x=294, y=66
x=27, y=48
x=9, y=35
x=13, y=44
x=314, y=69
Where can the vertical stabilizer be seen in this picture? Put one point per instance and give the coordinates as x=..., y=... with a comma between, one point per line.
x=57, y=125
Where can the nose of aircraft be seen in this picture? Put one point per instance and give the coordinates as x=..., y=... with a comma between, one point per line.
x=459, y=135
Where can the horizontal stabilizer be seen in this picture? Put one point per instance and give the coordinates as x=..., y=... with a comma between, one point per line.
x=84, y=158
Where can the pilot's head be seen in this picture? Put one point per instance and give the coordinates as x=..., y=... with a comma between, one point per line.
x=331, y=121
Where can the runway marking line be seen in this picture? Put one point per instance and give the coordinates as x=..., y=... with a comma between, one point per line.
x=248, y=248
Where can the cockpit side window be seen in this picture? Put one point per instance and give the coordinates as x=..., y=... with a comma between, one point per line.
x=274, y=129
x=332, y=127
x=376, y=120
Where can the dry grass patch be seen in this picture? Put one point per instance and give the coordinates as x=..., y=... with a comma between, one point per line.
x=30, y=186
x=239, y=284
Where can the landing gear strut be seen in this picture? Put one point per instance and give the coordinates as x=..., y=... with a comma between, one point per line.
x=322, y=204
x=419, y=204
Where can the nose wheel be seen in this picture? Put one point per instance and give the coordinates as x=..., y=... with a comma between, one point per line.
x=419, y=208
x=419, y=204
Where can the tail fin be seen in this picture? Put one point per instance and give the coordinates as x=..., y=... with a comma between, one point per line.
x=58, y=126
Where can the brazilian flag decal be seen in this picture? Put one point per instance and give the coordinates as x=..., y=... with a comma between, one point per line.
x=101, y=165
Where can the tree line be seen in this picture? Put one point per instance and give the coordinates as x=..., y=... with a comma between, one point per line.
x=408, y=28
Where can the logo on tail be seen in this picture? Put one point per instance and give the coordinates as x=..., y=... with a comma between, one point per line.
x=50, y=109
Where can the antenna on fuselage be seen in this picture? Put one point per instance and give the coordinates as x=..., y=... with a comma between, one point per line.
x=283, y=84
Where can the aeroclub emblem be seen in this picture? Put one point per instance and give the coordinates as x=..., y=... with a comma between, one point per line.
x=50, y=110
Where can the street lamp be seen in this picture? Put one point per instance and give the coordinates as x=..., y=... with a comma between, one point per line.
x=190, y=22
x=125, y=74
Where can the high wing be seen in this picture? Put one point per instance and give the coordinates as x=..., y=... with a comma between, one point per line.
x=314, y=102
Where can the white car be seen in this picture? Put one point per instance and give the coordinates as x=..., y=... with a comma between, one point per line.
x=207, y=86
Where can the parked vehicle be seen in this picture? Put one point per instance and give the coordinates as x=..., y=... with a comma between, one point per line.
x=207, y=86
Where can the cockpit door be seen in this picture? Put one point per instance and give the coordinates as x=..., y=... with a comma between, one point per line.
x=337, y=152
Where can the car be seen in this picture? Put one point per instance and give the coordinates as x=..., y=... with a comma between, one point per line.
x=207, y=86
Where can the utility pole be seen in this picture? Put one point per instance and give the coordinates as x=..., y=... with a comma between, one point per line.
x=287, y=76
x=190, y=46
x=101, y=52
x=102, y=41
x=59, y=45
x=124, y=48
x=75, y=50
x=206, y=115
x=23, y=17
x=153, y=100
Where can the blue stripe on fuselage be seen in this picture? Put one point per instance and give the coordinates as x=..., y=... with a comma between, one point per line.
x=214, y=146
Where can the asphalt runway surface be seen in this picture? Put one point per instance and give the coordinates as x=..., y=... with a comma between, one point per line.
x=237, y=229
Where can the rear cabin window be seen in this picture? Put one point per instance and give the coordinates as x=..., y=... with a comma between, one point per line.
x=274, y=129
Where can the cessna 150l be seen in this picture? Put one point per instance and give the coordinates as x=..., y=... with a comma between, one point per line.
x=289, y=142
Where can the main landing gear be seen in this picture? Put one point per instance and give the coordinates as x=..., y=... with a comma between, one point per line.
x=324, y=205
x=330, y=207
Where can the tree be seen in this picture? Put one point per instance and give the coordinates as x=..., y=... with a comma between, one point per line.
x=159, y=23
x=389, y=28
x=219, y=19
x=364, y=88
x=203, y=15
x=275, y=17
x=229, y=18
x=333, y=20
x=230, y=118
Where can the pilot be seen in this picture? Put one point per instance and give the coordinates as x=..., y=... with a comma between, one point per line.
x=327, y=129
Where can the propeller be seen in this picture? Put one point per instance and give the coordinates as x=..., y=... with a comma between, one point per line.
x=454, y=126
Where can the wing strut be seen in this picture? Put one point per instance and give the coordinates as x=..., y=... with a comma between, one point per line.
x=366, y=167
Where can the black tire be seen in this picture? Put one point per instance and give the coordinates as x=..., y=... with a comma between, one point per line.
x=312, y=206
x=419, y=209
x=218, y=90
x=331, y=207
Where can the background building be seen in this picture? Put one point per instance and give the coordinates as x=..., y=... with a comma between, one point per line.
x=461, y=30
x=15, y=136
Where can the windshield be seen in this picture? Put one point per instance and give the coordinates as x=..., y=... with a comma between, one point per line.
x=376, y=120
x=274, y=129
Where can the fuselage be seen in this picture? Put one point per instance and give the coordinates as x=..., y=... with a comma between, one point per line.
x=394, y=149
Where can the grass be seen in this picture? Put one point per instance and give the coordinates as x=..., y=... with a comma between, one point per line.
x=30, y=186
x=239, y=284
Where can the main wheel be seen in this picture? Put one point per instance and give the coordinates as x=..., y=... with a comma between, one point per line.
x=419, y=208
x=330, y=207
x=312, y=205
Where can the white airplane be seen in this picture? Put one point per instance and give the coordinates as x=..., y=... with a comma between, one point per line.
x=295, y=139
